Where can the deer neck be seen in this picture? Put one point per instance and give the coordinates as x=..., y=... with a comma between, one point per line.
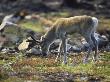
x=50, y=36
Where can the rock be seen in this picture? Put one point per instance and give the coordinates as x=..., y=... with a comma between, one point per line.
x=24, y=45
x=34, y=51
x=73, y=49
x=102, y=42
x=13, y=38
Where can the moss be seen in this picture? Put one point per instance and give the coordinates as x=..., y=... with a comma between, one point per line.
x=24, y=65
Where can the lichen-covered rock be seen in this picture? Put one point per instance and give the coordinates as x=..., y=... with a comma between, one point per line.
x=23, y=45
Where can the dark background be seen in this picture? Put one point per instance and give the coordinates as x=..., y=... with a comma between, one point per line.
x=91, y=7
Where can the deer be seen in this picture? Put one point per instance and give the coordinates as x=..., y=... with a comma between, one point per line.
x=84, y=25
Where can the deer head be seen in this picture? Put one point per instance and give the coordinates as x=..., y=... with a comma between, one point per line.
x=42, y=43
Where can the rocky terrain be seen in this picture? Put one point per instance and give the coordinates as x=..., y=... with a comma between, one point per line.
x=20, y=57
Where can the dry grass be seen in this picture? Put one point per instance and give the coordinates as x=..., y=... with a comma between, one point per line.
x=18, y=68
x=35, y=68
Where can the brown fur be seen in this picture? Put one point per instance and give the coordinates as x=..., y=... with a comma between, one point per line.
x=66, y=25
x=83, y=25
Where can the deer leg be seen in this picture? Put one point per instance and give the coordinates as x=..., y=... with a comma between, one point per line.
x=59, y=51
x=64, y=48
x=96, y=47
x=91, y=45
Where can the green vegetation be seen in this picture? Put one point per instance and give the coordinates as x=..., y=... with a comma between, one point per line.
x=104, y=24
x=36, y=26
x=23, y=68
x=18, y=68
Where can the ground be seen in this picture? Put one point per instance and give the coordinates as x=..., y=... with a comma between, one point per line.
x=19, y=68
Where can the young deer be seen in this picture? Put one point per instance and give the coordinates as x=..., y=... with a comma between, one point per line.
x=84, y=25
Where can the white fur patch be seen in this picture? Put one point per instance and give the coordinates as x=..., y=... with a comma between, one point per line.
x=95, y=21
